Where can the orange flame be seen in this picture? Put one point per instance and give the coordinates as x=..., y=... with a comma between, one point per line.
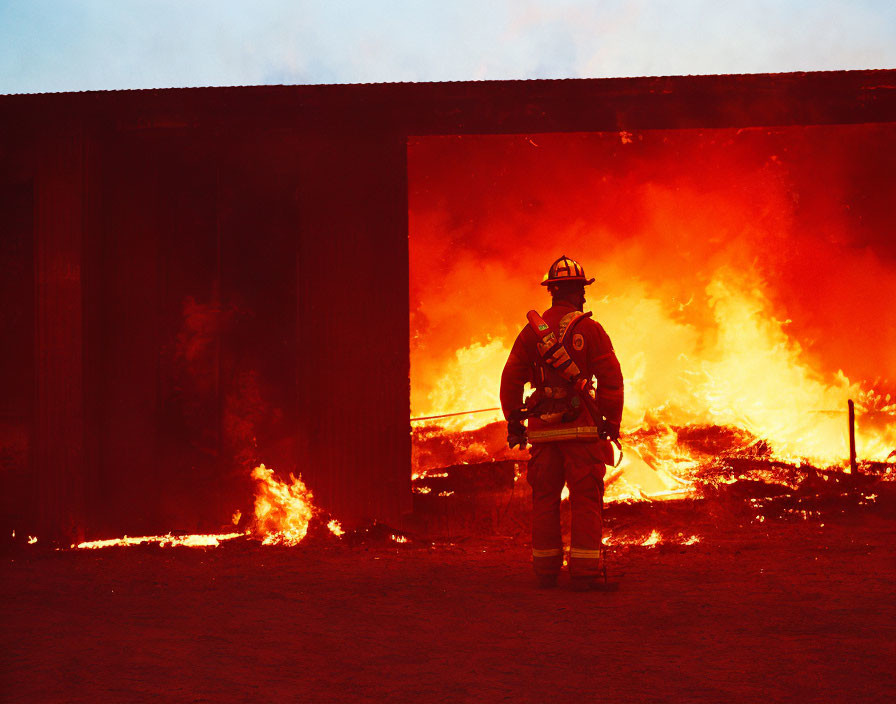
x=652, y=539
x=741, y=369
x=282, y=511
x=736, y=294
x=655, y=538
x=168, y=540
x=282, y=515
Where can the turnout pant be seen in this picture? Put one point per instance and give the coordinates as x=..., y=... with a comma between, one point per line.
x=578, y=465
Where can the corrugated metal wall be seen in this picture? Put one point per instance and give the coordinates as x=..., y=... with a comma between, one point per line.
x=353, y=361
x=59, y=223
x=281, y=213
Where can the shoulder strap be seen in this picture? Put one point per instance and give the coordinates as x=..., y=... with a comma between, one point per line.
x=551, y=349
x=569, y=321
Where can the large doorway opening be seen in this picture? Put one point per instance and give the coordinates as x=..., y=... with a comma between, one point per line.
x=745, y=277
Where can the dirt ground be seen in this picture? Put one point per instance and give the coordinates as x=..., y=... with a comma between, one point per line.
x=794, y=612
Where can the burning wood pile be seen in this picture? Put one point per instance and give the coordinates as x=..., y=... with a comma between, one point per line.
x=705, y=476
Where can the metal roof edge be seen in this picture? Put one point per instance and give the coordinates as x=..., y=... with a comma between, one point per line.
x=478, y=82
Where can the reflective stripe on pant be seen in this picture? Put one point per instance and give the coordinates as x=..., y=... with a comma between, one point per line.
x=578, y=465
x=547, y=561
x=547, y=542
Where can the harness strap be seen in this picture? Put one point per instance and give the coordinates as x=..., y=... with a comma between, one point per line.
x=569, y=321
x=552, y=350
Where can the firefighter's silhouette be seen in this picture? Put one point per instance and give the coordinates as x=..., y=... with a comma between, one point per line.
x=571, y=422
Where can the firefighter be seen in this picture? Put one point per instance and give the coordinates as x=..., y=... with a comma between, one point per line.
x=570, y=422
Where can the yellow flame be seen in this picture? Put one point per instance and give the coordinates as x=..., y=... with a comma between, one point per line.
x=469, y=382
x=652, y=539
x=282, y=514
x=282, y=511
x=168, y=540
x=32, y=540
x=739, y=367
x=426, y=474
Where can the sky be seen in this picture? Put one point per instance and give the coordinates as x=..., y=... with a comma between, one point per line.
x=69, y=45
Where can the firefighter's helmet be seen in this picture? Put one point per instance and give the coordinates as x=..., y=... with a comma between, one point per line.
x=566, y=269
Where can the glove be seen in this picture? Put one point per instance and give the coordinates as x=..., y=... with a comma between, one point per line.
x=516, y=434
x=610, y=430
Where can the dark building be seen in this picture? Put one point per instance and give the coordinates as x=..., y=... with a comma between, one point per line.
x=196, y=280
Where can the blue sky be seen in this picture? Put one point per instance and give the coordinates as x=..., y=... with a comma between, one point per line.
x=64, y=45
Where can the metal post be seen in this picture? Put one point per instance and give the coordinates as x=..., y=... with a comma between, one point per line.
x=853, y=466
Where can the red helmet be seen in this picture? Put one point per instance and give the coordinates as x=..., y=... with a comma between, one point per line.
x=566, y=269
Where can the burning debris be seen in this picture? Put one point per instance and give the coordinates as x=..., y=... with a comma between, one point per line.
x=675, y=481
x=652, y=539
x=282, y=511
x=283, y=514
x=659, y=463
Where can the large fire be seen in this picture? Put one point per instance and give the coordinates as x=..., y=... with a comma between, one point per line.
x=744, y=276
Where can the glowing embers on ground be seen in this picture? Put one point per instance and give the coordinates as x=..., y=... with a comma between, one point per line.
x=660, y=461
x=169, y=540
x=654, y=538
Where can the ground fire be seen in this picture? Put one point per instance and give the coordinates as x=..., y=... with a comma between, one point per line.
x=283, y=513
